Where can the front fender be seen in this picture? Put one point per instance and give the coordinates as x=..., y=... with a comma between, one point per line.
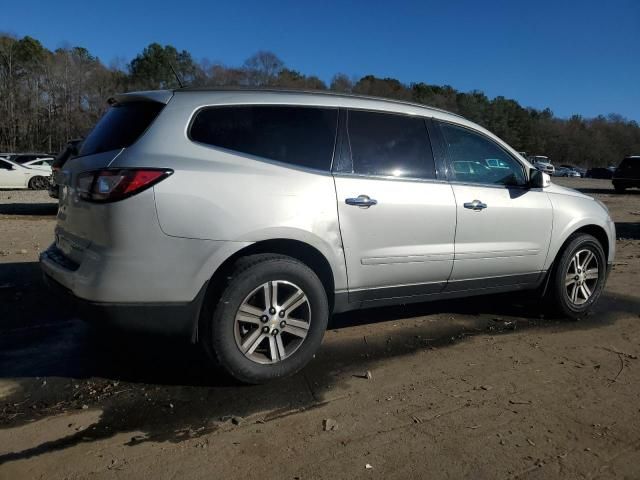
x=570, y=214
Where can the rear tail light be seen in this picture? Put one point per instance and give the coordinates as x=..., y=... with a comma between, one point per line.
x=112, y=185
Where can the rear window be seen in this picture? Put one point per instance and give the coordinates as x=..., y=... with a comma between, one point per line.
x=630, y=164
x=302, y=136
x=120, y=127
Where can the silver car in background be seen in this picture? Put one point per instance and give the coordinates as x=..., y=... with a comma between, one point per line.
x=244, y=219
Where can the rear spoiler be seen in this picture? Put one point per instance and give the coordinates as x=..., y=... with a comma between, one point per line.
x=160, y=96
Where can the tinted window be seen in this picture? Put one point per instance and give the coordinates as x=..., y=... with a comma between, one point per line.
x=5, y=165
x=390, y=145
x=477, y=159
x=629, y=164
x=295, y=135
x=120, y=127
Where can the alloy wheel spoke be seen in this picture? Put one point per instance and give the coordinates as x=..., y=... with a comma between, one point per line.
x=588, y=257
x=266, y=290
x=249, y=314
x=574, y=293
x=280, y=345
x=252, y=342
x=246, y=318
x=293, y=300
x=586, y=291
x=569, y=279
x=273, y=349
x=576, y=262
x=274, y=294
x=297, y=331
x=591, y=274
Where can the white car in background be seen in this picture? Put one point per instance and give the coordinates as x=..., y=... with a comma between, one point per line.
x=543, y=164
x=43, y=164
x=14, y=175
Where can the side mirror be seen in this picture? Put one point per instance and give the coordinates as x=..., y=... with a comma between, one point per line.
x=538, y=179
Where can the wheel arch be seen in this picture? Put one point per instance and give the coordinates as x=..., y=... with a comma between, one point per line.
x=301, y=251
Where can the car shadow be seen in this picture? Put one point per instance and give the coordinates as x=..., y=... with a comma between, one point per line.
x=628, y=230
x=29, y=209
x=166, y=388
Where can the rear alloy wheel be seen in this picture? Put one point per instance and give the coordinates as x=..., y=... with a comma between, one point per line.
x=38, y=183
x=579, y=277
x=269, y=320
x=272, y=322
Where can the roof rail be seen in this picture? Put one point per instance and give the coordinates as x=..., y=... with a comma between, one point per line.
x=311, y=92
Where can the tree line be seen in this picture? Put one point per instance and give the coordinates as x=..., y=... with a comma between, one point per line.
x=48, y=97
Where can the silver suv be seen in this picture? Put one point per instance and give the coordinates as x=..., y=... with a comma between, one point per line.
x=244, y=219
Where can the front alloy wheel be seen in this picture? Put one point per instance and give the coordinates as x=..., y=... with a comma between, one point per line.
x=581, y=278
x=578, y=277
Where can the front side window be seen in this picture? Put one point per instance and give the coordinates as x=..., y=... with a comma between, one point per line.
x=5, y=165
x=474, y=158
x=302, y=136
x=390, y=145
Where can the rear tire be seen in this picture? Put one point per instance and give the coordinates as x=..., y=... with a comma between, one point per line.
x=579, y=276
x=245, y=332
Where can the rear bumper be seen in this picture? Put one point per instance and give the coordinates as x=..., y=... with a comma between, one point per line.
x=173, y=319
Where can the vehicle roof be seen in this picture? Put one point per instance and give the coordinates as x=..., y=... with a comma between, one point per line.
x=165, y=95
x=199, y=97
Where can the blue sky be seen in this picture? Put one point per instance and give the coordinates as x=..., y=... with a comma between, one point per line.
x=576, y=57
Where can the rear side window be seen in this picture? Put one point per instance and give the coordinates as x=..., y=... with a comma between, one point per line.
x=390, y=145
x=120, y=127
x=302, y=136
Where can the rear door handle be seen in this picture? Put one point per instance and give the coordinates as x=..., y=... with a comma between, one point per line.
x=361, y=201
x=476, y=205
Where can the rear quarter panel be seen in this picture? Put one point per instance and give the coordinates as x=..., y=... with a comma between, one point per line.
x=219, y=195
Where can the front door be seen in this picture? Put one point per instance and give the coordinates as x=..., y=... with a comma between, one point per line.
x=504, y=227
x=397, y=220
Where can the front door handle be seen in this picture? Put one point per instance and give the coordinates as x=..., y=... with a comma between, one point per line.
x=476, y=205
x=361, y=201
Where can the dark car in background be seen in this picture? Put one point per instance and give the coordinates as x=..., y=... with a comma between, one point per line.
x=599, y=172
x=627, y=175
x=70, y=151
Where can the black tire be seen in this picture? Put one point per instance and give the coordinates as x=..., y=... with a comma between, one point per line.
x=558, y=292
x=219, y=321
x=38, y=183
x=619, y=188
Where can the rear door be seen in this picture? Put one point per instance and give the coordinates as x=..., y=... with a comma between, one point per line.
x=504, y=227
x=396, y=217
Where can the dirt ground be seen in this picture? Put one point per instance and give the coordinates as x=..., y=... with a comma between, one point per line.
x=478, y=388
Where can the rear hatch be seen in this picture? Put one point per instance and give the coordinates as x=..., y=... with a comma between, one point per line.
x=79, y=222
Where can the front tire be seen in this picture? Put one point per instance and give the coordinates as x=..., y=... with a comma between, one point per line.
x=269, y=320
x=579, y=276
x=38, y=183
